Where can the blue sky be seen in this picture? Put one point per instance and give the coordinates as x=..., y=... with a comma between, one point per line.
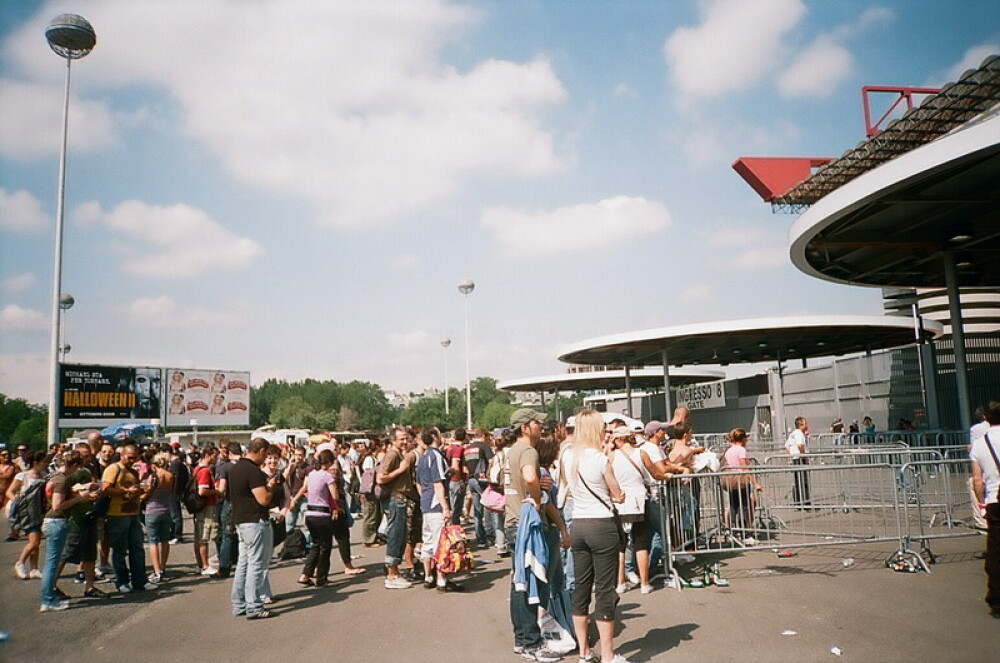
x=295, y=188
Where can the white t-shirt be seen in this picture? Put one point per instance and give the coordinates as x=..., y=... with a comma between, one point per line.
x=977, y=431
x=590, y=468
x=981, y=455
x=655, y=454
x=631, y=480
x=796, y=438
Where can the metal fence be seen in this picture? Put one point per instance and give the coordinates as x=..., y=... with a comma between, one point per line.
x=904, y=496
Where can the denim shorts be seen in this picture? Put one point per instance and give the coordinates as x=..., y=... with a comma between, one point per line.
x=159, y=528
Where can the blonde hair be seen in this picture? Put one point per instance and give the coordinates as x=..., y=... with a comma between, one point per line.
x=589, y=434
x=162, y=460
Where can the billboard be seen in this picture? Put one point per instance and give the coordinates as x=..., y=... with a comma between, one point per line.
x=213, y=398
x=98, y=396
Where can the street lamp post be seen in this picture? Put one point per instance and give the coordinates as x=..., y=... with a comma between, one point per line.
x=70, y=37
x=466, y=286
x=66, y=302
x=445, y=342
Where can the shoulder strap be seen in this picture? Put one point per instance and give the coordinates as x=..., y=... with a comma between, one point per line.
x=610, y=507
x=989, y=445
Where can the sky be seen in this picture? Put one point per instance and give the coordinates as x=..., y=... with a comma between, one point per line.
x=296, y=187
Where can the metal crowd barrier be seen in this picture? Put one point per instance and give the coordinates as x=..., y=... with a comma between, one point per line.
x=898, y=495
x=937, y=503
x=895, y=456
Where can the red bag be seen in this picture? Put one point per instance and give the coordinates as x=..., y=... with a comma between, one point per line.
x=453, y=554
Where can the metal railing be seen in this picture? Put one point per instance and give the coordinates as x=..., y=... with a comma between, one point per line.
x=849, y=498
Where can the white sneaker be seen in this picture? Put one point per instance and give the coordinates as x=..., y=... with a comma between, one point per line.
x=209, y=570
x=397, y=583
x=646, y=589
x=172, y=542
x=749, y=541
x=54, y=607
x=633, y=577
x=35, y=574
x=619, y=659
x=21, y=570
x=125, y=589
x=562, y=645
x=683, y=558
x=622, y=588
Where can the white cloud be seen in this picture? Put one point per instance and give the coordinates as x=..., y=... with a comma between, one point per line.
x=700, y=293
x=623, y=90
x=165, y=312
x=21, y=212
x=348, y=106
x=753, y=249
x=25, y=376
x=612, y=222
x=734, y=46
x=19, y=282
x=408, y=261
x=817, y=70
x=15, y=318
x=416, y=341
x=971, y=59
x=174, y=242
x=31, y=120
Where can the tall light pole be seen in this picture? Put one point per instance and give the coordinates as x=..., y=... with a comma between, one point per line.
x=445, y=342
x=66, y=302
x=466, y=286
x=70, y=37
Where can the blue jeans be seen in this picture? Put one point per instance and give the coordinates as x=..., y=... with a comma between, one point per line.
x=125, y=536
x=569, y=573
x=484, y=525
x=250, y=580
x=177, y=516
x=395, y=534
x=224, y=542
x=292, y=519
x=54, y=530
x=456, y=498
x=523, y=615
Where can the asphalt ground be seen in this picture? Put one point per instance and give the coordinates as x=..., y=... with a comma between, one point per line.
x=801, y=608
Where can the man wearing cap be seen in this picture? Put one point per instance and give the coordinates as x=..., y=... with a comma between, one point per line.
x=523, y=482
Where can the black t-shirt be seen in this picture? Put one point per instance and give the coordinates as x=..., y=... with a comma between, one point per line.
x=476, y=458
x=244, y=476
x=222, y=469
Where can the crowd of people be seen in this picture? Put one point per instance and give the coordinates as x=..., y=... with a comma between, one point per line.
x=572, y=506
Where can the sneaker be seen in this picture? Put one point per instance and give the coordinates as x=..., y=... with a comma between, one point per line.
x=102, y=571
x=174, y=542
x=21, y=570
x=155, y=578
x=429, y=583
x=518, y=649
x=563, y=644
x=542, y=655
x=260, y=614
x=397, y=583
x=54, y=607
x=590, y=657
x=79, y=578
x=219, y=575
x=60, y=594
x=209, y=570
x=151, y=585
x=125, y=589
x=622, y=588
x=618, y=659
x=35, y=574
x=633, y=577
x=646, y=589
x=450, y=586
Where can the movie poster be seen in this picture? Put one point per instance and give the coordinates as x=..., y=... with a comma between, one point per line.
x=104, y=395
x=212, y=398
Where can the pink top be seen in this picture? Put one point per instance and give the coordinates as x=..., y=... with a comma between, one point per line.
x=735, y=455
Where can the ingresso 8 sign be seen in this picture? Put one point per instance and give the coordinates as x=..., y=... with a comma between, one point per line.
x=702, y=396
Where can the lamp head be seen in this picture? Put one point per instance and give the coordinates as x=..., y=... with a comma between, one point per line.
x=71, y=36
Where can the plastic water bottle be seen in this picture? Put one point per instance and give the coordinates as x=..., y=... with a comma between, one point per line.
x=849, y=562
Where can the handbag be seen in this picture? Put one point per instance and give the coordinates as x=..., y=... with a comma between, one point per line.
x=99, y=509
x=493, y=500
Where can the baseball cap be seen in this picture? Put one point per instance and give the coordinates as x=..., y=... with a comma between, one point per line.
x=654, y=426
x=524, y=415
x=621, y=431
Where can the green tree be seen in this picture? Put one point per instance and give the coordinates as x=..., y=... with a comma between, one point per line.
x=495, y=415
x=12, y=412
x=33, y=430
x=293, y=412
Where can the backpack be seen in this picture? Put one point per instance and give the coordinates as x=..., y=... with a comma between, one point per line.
x=453, y=554
x=29, y=506
x=367, y=485
x=193, y=502
x=295, y=545
x=494, y=473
